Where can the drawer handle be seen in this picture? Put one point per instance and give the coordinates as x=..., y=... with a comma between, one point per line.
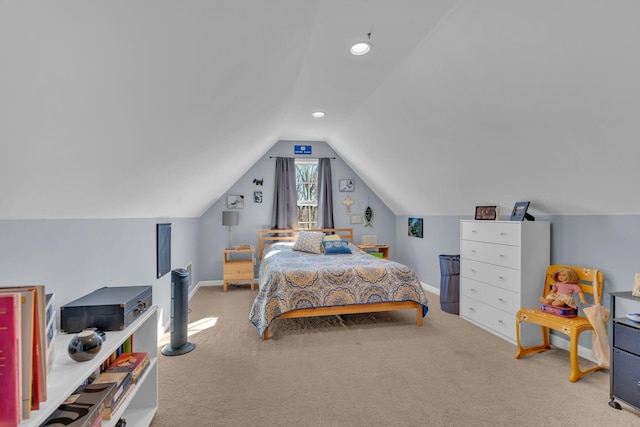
x=473, y=290
x=503, y=256
x=501, y=322
x=474, y=231
x=500, y=300
x=472, y=309
x=502, y=233
x=474, y=251
x=472, y=270
x=501, y=277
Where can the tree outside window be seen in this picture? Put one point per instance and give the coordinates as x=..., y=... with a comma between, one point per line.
x=307, y=189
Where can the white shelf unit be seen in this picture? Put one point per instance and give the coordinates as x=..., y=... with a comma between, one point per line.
x=502, y=269
x=66, y=374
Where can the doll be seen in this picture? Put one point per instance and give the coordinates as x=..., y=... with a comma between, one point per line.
x=565, y=284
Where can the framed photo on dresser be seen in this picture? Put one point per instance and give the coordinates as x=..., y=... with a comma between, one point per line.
x=488, y=213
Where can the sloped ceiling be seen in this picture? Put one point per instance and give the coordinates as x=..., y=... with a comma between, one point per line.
x=126, y=109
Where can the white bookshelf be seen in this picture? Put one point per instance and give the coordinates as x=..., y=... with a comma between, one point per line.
x=66, y=374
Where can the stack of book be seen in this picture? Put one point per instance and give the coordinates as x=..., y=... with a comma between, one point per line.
x=84, y=408
x=135, y=363
x=23, y=343
x=123, y=383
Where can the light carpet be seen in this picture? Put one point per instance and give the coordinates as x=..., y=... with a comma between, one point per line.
x=367, y=370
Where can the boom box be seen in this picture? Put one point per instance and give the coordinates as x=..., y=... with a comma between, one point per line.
x=108, y=308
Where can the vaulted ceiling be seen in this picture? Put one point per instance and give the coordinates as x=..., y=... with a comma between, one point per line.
x=125, y=109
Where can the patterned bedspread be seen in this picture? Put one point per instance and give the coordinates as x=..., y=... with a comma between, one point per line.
x=291, y=280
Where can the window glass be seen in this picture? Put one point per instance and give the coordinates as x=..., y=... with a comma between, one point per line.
x=307, y=188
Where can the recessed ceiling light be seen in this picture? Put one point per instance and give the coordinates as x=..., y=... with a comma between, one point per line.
x=361, y=48
x=318, y=114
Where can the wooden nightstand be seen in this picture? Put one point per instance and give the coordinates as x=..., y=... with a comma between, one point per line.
x=239, y=270
x=378, y=248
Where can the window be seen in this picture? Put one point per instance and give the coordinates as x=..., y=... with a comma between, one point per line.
x=307, y=189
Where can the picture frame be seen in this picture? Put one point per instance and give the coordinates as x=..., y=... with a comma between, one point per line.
x=257, y=196
x=163, y=249
x=235, y=202
x=415, y=227
x=356, y=219
x=346, y=185
x=519, y=212
x=486, y=213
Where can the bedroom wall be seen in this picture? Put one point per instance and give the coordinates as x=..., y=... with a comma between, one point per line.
x=255, y=216
x=610, y=243
x=74, y=257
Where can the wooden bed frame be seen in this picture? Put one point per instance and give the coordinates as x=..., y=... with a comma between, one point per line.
x=268, y=237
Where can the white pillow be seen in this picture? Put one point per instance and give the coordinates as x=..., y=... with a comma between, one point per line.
x=330, y=237
x=309, y=241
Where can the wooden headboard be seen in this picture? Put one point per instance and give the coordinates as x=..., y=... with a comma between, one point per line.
x=268, y=237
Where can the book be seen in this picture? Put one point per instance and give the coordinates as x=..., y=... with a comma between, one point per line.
x=135, y=362
x=26, y=304
x=10, y=384
x=83, y=408
x=123, y=381
x=39, y=363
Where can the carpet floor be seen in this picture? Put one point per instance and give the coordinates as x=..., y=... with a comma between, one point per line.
x=367, y=370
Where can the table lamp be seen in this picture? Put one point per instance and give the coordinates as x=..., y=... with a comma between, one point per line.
x=229, y=219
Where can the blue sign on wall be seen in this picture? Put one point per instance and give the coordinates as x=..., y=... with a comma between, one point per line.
x=301, y=149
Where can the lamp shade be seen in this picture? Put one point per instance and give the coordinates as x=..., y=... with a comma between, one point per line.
x=230, y=218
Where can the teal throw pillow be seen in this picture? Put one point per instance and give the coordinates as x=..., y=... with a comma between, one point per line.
x=332, y=247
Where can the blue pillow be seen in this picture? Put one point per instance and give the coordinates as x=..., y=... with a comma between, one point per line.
x=332, y=247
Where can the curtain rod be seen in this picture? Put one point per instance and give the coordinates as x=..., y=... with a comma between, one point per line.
x=305, y=157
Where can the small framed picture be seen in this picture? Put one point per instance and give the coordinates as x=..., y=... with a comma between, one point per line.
x=415, y=227
x=235, y=202
x=519, y=212
x=356, y=219
x=346, y=185
x=257, y=196
x=489, y=213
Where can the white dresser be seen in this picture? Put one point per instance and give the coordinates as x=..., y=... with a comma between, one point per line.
x=502, y=269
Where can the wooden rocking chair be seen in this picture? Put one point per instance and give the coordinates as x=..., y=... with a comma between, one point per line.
x=571, y=326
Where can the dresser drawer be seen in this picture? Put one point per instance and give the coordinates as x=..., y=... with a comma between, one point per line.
x=237, y=269
x=490, y=295
x=626, y=338
x=506, y=256
x=490, y=317
x=491, y=232
x=626, y=377
x=503, y=277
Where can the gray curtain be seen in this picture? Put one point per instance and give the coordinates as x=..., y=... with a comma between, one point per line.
x=325, y=194
x=285, y=201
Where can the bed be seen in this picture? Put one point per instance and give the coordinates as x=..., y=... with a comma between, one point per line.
x=295, y=283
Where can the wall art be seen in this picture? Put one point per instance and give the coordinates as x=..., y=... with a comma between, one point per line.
x=346, y=185
x=235, y=202
x=415, y=227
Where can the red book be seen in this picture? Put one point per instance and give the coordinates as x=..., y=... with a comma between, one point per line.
x=10, y=360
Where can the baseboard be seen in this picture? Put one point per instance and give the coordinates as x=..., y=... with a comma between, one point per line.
x=583, y=352
x=556, y=341
x=430, y=288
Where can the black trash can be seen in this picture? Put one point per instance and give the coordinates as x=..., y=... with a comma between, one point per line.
x=450, y=283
